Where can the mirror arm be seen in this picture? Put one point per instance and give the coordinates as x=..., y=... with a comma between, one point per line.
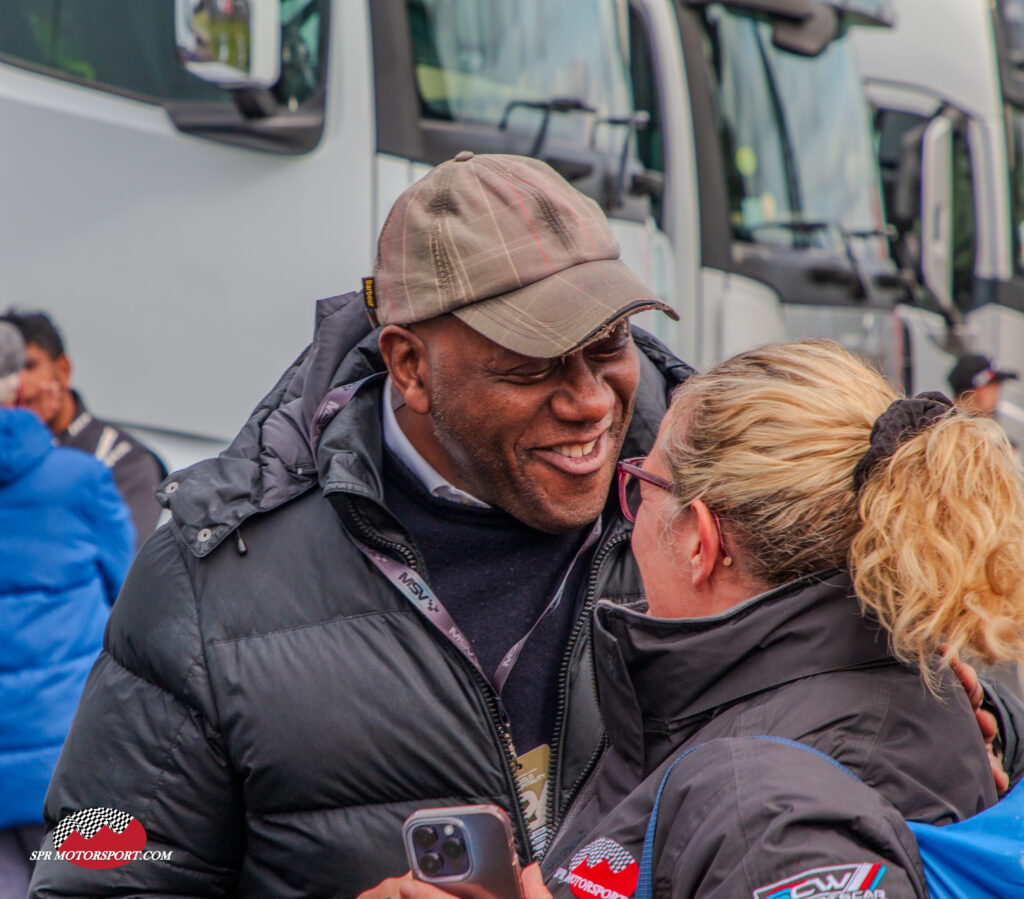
x=637, y=120
x=254, y=102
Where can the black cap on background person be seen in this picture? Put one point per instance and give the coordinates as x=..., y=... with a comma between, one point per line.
x=976, y=382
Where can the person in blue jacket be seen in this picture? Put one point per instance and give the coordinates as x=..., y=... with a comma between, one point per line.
x=66, y=541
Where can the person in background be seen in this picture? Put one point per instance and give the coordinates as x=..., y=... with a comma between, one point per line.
x=977, y=383
x=66, y=540
x=137, y=470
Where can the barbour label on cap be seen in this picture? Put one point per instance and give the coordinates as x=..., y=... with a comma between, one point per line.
x=509, y=247
x=370, y=301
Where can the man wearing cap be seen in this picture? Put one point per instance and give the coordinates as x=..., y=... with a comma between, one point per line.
x=377, y=599
x=977, y=383
x=65, y=543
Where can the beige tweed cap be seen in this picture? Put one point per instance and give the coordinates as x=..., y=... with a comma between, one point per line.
x=509, y=247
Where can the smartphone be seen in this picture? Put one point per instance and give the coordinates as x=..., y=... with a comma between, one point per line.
x=465, y=850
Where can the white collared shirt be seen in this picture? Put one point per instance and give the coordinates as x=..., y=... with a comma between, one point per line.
x=400, y=445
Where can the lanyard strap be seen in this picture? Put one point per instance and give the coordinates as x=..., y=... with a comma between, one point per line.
x=418, y=592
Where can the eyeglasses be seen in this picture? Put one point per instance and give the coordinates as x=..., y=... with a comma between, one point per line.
x=631, y=472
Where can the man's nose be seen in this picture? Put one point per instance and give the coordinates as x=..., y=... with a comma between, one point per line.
x=582, y=395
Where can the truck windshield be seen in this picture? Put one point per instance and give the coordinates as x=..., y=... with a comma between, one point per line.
x=481, y=62
x=795, y=136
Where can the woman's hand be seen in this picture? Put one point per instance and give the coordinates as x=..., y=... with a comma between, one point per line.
x=533, y=888
x=387, y=889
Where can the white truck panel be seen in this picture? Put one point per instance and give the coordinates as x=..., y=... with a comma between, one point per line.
x=200, y=309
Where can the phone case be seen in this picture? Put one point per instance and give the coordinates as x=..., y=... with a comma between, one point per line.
x=488, y=866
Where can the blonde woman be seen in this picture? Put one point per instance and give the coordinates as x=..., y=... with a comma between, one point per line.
x=807, y=542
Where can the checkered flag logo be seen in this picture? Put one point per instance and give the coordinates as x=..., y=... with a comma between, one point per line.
x=603, y=849
x=88, y=823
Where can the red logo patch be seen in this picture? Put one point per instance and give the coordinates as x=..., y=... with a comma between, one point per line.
x=601, y=870
x=99, y=838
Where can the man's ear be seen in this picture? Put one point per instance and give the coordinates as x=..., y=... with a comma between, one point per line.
x=63, y=366
x=405, y=355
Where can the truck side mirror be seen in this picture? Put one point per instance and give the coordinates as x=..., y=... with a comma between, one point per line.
x=233, y=43
x=937, y=210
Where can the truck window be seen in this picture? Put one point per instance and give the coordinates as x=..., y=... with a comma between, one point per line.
x=965, y=231
x=1015, y=139
x=127, y=46
x=794, y=136
x=481, y=63
x=642, y=72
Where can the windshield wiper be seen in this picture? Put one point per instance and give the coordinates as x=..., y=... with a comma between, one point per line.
x=555, y=104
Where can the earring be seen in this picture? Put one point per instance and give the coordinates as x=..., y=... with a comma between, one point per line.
x=727, y=561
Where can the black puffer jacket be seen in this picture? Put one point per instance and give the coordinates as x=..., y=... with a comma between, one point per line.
x=739, y=816
x=268, y=705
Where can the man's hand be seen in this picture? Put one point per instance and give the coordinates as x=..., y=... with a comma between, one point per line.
x=986, y=721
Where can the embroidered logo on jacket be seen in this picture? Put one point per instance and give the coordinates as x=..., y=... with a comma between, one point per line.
x=601, y=870
x=838, y=882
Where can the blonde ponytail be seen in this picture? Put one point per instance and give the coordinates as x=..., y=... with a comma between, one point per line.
x=940, y=555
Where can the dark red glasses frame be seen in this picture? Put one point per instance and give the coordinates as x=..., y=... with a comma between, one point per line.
x=628, y=468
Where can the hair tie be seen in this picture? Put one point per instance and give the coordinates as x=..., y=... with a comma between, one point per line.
x=902, y=421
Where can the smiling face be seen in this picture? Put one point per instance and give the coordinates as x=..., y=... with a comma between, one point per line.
x=538, y=438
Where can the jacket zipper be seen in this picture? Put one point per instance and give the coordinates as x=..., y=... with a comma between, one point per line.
x=502, y=733
x=583, y=623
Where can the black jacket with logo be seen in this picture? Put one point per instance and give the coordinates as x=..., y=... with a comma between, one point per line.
x=743, y=817
x=267, y=704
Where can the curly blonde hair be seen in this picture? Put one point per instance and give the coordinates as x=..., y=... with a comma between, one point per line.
x=934, y=540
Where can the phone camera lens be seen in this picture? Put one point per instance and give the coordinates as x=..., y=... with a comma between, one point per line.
x=430, y=863
x=453, y=848
x=424, y=837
